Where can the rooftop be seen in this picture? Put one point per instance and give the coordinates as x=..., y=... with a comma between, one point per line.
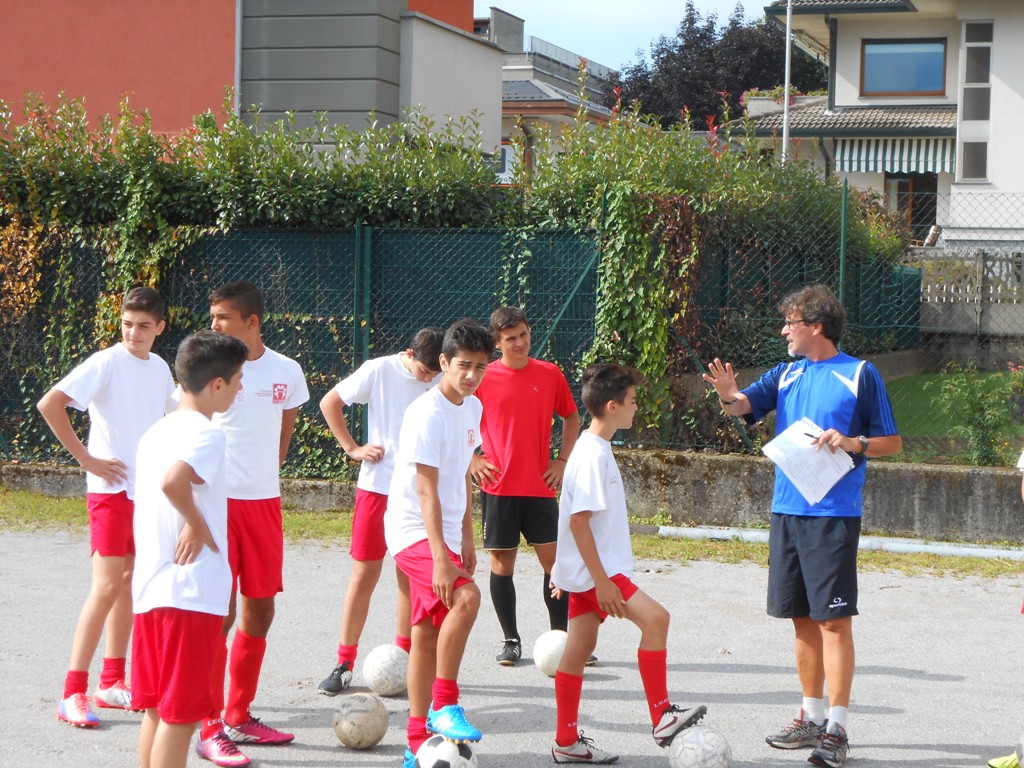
x=816, y=120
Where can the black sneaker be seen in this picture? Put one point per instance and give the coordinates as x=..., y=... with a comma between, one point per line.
x=337, y=681
x=510, y=654
x=591, y=661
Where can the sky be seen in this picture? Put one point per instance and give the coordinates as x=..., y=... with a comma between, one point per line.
x=609, y=32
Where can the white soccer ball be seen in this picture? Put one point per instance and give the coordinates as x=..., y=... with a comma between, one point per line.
x=547, y=651
x=438, y=752
x=385, y=670
x=700, y=746
x=361, y=720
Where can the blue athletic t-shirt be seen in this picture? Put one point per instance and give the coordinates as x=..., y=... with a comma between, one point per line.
x=841, y=393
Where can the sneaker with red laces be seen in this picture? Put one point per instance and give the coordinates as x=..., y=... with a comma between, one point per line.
x=117, y=696
x=254, y=731
x=220, y=750
x=75, y=709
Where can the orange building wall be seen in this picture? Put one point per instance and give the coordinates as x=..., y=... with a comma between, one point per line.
x=458, y=13
x=171, y=58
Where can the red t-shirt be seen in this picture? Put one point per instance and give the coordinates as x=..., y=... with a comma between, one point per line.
x=519, y=407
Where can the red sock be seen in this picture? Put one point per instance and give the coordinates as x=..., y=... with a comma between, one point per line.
x=444, y=693
x=113, y=671
x=218, y=669
x=568, y=689
x=654, y=675
x=348, y=653
x=416, y=733
x=246, y=663
x=403, y=642
x=76, y=682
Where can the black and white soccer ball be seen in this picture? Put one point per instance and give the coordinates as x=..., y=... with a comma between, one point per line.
x=700, y=746
x=438, y=752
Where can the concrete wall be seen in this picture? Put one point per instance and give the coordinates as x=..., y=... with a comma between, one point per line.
x=966, y=504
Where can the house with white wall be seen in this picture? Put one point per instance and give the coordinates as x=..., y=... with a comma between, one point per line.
x=925, y=106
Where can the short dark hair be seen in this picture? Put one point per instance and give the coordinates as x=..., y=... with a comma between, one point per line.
x=426, y=346
x=466, y=335
x=504, y=318
x=246, y=298
x=817, y=304
x=144, y=299
x=205, y=356
x=607, y=381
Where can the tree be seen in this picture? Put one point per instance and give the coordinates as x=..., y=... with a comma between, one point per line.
x=703, y=68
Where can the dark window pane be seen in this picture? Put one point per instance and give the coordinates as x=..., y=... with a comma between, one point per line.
x=977, y=103
x=975, y=158
x=904, y=67
x=978, y=60
x=978, y=33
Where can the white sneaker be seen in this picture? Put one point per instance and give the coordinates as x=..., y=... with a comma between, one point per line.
x=117, y=696
x=583, y=751
x=675, y=719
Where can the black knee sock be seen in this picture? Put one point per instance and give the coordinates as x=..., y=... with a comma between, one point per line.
x=503, y=597
x=558, y=610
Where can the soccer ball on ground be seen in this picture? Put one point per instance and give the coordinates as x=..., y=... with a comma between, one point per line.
x=547, y=651
x=700, y=746
x=361, y=720
x=385, y=670
x=438, y=752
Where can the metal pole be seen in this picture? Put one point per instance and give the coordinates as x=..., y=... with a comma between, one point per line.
x=842, y=241
x=785, y=92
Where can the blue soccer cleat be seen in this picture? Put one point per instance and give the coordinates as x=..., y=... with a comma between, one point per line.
x=409, y=759
x=451, y=723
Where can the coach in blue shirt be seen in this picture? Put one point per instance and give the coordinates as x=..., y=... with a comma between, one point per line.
x=812, y=567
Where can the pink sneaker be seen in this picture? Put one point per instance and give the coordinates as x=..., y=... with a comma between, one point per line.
x=220, y=750
x=75, y=709
x=117, y=696
x=256, y=732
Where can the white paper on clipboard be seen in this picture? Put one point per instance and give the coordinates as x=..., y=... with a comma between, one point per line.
x=813, y=472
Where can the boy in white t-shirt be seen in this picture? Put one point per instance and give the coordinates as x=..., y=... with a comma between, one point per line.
x=126, y=390
x=258, y=427
x=182, y=582
x=594, y=564
x=386, y=385
x=428, y=527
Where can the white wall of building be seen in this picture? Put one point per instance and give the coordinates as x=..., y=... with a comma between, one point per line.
x=447, y=71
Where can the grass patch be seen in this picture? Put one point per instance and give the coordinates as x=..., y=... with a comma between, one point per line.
x=20, y=510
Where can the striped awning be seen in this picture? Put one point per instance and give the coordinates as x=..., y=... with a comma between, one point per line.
x=895, y=155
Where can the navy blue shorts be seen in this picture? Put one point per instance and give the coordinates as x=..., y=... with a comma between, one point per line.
x=505, y=518
x=812, y=567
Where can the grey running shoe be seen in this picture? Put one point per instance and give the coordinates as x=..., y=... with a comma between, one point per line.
x=833, y=749
x=336, y=682
x=510, y=653
x=583, y=751
x=799, y=733
x=675, y=719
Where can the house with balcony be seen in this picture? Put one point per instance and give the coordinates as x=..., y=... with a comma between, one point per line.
x=925, y=106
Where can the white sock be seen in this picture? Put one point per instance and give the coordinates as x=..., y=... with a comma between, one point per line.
x=837, y=717
x=814, y=710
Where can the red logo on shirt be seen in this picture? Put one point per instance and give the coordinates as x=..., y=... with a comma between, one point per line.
x=471, y=434
x=280, y=392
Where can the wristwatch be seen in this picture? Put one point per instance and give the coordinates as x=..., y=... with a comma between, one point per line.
x=863, y=444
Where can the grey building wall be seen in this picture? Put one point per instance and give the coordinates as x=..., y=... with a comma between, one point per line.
x=335, y=56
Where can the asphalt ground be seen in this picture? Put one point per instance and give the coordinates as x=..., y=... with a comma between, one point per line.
x=938, y=682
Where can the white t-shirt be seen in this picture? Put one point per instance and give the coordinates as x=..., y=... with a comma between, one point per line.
x=387, y=388
x=157, y=582
x=270, y=385
x=125, y=396
x=437, y=433
x=592, y=483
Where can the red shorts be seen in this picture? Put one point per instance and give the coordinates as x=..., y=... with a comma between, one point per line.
x=256, y=547
x=586, y=602
x=110, y=524
x=368, y=526
x=416, y=563
x=172, y=656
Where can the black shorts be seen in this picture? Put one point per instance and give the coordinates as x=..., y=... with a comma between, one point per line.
x=812, y=567
x=506, y=517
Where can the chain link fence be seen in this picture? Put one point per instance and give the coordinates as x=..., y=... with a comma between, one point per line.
x=943, y=321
